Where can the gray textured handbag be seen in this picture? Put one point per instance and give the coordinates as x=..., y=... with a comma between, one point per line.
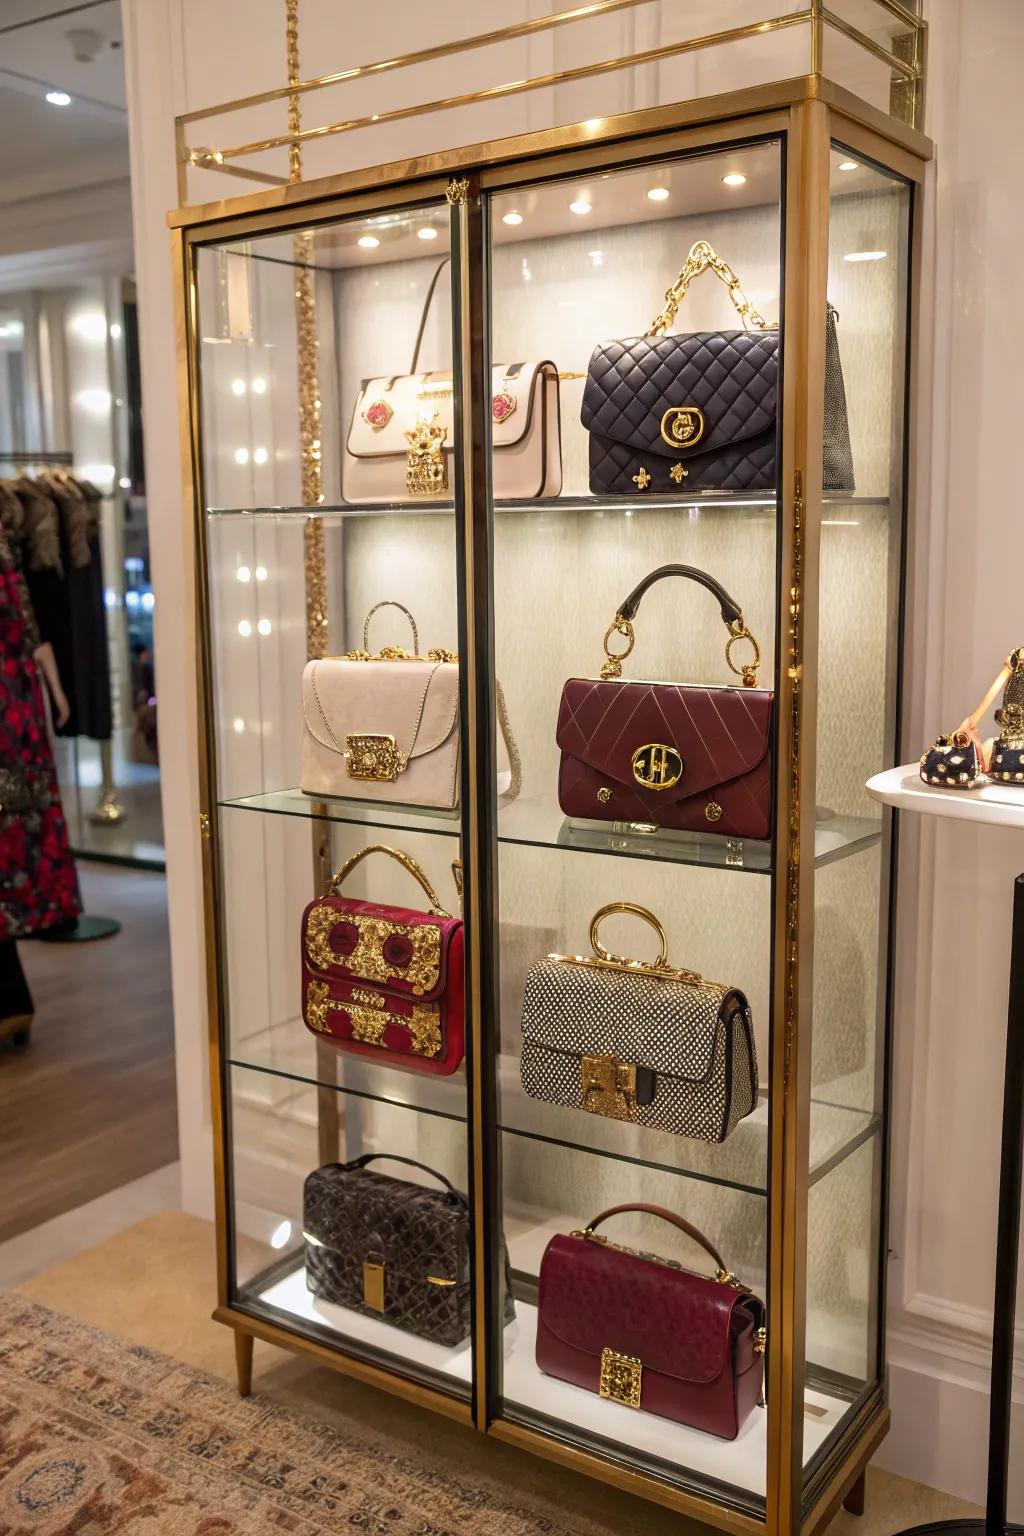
x=637, y=1041
x=700, y=412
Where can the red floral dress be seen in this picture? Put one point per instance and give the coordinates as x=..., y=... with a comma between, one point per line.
x=38, y=885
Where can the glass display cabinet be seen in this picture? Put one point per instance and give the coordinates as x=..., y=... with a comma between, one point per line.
x=363, y=430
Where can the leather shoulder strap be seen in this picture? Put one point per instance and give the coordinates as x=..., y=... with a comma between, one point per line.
x=665, y=1215
x=426, y=310
x=731, y=612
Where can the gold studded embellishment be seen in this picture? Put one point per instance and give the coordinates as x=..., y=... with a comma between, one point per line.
x=641, y=479
x=502, y=406
x=621, y=1378
x=377, y=415
x=426, y=468
x=604, y=795
x=678, y=473
x=374, y=759
x=369, y=1025
x=713, y=811
x=367, y=959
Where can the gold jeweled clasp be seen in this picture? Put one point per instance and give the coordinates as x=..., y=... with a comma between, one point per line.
x=375, y=758
x=608, y=1086
x=621, y=1378
x=426, y=468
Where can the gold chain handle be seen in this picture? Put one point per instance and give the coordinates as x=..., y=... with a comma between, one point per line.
x=410, y=865
x=703, y=258
x=389, y=602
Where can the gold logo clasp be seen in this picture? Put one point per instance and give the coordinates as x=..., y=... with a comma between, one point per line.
x=657, y=766
x=682, y=426
x=608, y=1086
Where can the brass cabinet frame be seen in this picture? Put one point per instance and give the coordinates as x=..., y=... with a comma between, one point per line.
x=810, y=113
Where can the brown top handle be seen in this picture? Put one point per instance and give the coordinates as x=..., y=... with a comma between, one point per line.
x=407, y=863
x=732, y=618
x=724, y=1274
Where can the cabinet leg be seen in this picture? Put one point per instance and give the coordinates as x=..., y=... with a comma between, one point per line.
x=854, y=1501
x=243, y=1361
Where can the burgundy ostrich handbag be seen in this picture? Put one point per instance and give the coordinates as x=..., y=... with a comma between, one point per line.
x=678, y=756
x=386, y=982
x=643, y=1331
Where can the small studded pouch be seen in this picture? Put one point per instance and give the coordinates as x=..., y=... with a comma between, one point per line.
x=699, y=412
x=642, y=1330
x=956, y=761
x=678, y=756
x=386, y=726
x=385, y=982
x=391, y=1249
x=645, y=1043
x=961, y=760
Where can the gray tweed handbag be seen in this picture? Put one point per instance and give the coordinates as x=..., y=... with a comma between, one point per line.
x=638, y=1041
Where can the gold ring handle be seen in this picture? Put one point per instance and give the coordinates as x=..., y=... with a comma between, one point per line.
x=407, y=863
x=635, y=910
x=614, y=659
x=746, y=670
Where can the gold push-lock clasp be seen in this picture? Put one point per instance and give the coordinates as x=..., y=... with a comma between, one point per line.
x=608, y=1086
x=373, y=1285
x=373, y=758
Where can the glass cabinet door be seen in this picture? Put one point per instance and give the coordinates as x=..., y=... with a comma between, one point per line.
x=326, y=378
x=617, y=1085
x=860, y=602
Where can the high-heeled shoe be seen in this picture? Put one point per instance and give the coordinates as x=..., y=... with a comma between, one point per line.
x=961, y=760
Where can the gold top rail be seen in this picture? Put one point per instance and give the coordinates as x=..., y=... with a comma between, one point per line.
x=816, y=14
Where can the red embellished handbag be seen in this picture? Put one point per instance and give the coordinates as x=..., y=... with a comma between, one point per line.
x=677, y=756
x=643, y=1331
x=386, y=982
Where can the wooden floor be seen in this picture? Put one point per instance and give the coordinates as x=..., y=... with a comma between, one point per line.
x=89, y=1104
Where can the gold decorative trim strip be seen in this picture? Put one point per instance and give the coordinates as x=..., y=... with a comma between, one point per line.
x=900, y=66
x=423, y=1023
x=796, y=654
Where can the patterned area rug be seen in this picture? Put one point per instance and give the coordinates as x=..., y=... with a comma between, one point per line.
x=100, y=1436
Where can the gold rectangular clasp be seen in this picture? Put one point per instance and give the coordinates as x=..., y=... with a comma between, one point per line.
x=374, y=758
x=608, y=1086
x=621, y=1378
x=373, y=1285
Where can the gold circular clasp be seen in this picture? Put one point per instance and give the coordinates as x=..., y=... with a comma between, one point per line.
x=613, y=665
x=635, y=910
x=747, y=670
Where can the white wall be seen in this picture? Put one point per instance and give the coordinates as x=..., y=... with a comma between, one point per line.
x=955, y=887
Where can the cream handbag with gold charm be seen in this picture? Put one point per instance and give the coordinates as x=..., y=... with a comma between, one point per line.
x=385, y=727
x=402, y=436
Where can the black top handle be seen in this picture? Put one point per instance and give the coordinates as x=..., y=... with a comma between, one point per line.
x=732, y=618
x=410, y=1162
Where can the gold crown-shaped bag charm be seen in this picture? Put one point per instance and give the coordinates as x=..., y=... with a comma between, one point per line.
x=426, y=468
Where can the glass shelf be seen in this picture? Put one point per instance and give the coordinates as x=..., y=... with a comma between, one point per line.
x=289, y=1052
x=537, y=821
x=711, y=501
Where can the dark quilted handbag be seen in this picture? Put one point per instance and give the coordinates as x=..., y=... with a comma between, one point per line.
x=390, y=1249
x=700, y=412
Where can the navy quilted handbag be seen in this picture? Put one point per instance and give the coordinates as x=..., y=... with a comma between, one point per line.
x=700, y=412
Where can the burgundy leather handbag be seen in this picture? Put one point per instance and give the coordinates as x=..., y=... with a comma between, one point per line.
x=678, y=756
x=385, y=982
x=641, y=1330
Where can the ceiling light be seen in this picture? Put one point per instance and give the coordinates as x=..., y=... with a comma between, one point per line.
x=658, y=194
x=511, y=218
x=734, y=179
x=125, y=483
x=261, y=573
x=368, y=242
x=91, y=324
x=428, y=232
x=259, y=456
x=244, y=628
x=241, y=455
x=243, y=573
x=866, y=256
x=239, y=725
x=579, y=206
x=115, y=332
x=95, y=401
x=238, y=386
x=259, y=387
x=597, y=258
x=58, y=98
x=148, y=601
x=264, y=626
x=848, y=165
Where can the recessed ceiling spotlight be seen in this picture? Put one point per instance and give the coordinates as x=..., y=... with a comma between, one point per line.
x=238, y=386
x=368, y=242
x=848, y=165
x=658, y=194
x=259, y=456
x=115, y=332
x=580, y=205
x=244, y=628
x=428, y=232
x=259, y=387
x=865, y=256
x=241, y=455
x=734, y=179
x=58, y=98
x=511, y=218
